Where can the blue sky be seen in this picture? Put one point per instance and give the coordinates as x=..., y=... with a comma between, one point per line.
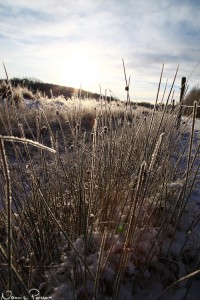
x=82, y=43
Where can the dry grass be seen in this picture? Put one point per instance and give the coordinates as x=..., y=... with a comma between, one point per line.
x=107, y=193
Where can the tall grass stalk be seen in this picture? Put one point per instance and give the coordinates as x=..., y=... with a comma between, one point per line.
x=189, y=276
x=154, y=109
x=9, y=214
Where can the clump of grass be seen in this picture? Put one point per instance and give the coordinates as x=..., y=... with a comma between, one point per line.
x=16, y=95
x=3, y=89
x=103, y=209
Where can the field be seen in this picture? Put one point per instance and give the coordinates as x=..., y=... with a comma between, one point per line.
x=95, y=199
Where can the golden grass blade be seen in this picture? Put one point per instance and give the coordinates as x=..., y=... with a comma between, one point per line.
x=9, y=211
x=5, y=71
x=26, y=141
x=191, y=275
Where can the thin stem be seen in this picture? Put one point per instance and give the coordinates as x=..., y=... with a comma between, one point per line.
x=9, y=211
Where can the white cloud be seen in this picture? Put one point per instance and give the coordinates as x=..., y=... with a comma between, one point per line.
x=42, y=37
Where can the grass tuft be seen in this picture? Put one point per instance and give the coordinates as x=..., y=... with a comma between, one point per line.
x=99, y=196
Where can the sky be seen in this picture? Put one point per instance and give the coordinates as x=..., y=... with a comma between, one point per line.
x=81, y=43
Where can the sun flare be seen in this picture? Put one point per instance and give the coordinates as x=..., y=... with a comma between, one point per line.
x=80, y=69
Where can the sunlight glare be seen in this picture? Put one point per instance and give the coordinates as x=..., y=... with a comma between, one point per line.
x=80, y=69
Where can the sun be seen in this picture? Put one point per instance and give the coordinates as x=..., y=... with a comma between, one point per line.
x=80, y=69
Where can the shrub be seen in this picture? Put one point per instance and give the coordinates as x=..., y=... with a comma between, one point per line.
x=193, y=95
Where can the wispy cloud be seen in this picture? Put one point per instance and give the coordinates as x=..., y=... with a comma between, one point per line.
x=47, y=39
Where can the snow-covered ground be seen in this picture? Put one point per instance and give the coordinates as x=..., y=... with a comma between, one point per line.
x=195, y=195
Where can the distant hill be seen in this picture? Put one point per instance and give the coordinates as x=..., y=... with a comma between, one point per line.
x=51, y=90
x=54, y=90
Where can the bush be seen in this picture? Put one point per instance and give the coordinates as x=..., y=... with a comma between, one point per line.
x=193, y=95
